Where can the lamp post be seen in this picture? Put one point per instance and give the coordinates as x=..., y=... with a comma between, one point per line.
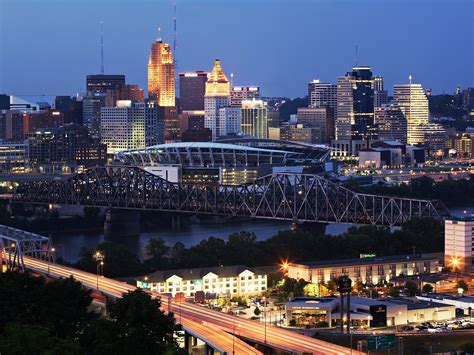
x=99, y=257
x=265, y=318
x=49, y=257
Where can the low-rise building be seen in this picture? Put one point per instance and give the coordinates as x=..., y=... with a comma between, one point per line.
x=236, y=280
x=466, y=303
x=368, y=270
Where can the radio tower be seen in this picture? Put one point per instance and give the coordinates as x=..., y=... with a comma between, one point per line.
x=176, y=73
x=102, y=47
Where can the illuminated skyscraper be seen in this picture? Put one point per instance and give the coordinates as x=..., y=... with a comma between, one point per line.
x=254, y=118
x=414, y=104
x=241, y=93
x=380, y=95
x=161, y=74
x=217, y=96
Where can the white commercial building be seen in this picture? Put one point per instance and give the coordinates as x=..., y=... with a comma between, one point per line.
x=236, y=280
x=458, y=244
x=229, y=121
x=254, y=118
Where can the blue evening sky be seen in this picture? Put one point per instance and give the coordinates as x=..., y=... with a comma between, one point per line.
x=49, y=46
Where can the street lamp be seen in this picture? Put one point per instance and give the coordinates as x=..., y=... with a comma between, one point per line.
x=99, y=257
x=49, y=257
x=265, y=318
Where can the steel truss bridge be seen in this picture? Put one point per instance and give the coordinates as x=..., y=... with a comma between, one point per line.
x=293, y=197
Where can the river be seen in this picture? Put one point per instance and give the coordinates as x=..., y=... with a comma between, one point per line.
x=68, y=245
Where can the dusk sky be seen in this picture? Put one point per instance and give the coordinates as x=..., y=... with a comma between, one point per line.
x=48, y=47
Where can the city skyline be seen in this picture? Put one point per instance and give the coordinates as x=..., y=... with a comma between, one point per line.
x=199, y=43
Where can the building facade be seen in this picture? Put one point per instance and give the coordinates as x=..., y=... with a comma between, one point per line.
x=217, y=96
x=322, y=95
x=14, y=157
x=161, y=85
x=192, y=88
x=462, y=144
x=91, y=107
x=380, y=95
x=219, y=281
x=254, y=118
x=368, y=270
x=320, y=117
x=412, y=101
x=229, y=121
x=123, y=127
x=459, y=244
x=101, y=83
x=391, y=123
x=241, y=93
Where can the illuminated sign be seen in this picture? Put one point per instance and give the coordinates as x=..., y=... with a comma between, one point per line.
x=190, y=75
x=368, y=255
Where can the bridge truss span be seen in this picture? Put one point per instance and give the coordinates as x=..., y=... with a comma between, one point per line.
x=285, y=196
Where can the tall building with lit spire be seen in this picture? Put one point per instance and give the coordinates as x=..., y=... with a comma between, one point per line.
x=161, y=74
x=217, y=96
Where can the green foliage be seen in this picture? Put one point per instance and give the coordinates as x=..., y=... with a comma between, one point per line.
x=137, y=326
x=427, y=288
x=394, y=291
x=462, y=284
x=411, y=288
x=257, y=311
x=119, y=261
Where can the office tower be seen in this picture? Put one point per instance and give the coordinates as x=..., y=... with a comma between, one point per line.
x=392, y=124
x=273, y=118
x=380, y=95
x=432, y=136
x=463, y=145
x=414, y=104
x=241, y=93
x=99, y=84
x=192, y=88
x=322, y=118
x=11, y=125
x=33, y=121
x=322, y=95
x=91, y=106
x=63, y=148
x=19, y=104
x=154, y=125
x=355, y=126
x=161, y=74
x=13, y=156
x=254, y=118
x=124, y=92
x=229, y=121
x=459, y=244
x=299, y=133
x=123, y=127
x=217, y=96
x=169, y=116
x=70, y=107
x=4, y=102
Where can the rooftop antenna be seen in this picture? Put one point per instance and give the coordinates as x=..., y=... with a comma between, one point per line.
x=159, y=34
x=102, y=47
x=174, y=29
x=409, y=78
x=357, y=55
x=231, y=80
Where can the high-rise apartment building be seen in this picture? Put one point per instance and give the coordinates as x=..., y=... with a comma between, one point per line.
x=241, y=93
x=91, y=106
x=254, y=118
x=322, y=95
x=321, y=118
x=217, y=96
x=123, y=127
x=192, y=88
x=154, y=124
x=391, y=123
x=11, y=125
x=380, y=95
x=463, y=145
x=459, y=244
x=161, y=86
x=414, y=104
x=101, y=83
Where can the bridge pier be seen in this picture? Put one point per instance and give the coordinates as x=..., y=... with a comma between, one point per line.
x=175, y=222
x=121, y=223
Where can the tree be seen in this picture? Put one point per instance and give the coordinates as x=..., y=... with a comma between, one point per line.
x=462, y=284
x=411, y=288
x=427, y=288
x=257, y=311
x=137, y=325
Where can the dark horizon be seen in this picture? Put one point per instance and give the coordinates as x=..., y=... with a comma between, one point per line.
x=55, y=46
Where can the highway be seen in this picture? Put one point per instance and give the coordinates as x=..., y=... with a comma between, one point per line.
x=204, y=320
